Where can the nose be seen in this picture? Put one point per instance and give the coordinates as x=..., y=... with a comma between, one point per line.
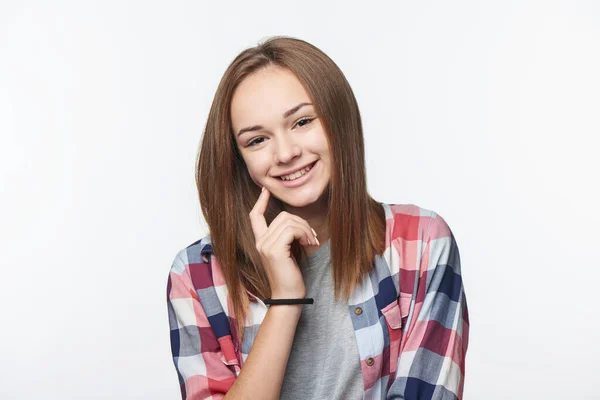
x=286, y=149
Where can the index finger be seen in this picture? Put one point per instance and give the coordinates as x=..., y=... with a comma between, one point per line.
x=257, y=214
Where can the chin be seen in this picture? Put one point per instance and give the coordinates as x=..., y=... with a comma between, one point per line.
x=297, y=203
x=301, y=198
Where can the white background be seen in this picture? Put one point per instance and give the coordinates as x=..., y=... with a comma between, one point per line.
x=485, y=112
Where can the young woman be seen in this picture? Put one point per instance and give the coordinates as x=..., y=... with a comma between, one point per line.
x=371, y=303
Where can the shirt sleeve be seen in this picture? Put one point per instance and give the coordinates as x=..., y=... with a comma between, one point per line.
x=431, y=364
x=195, y=349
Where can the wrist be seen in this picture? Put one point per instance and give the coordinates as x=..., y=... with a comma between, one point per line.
x=289, y=295
x=286, y=310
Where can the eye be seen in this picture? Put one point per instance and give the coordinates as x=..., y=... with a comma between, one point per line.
x=301, y=123
x=254, y=141
x=306, y=120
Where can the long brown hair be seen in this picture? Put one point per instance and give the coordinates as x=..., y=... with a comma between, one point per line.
x=227, y=193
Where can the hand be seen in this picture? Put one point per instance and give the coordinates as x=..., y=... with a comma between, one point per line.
x=274, y=245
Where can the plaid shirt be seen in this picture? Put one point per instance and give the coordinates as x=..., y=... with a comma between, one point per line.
x=412, y=333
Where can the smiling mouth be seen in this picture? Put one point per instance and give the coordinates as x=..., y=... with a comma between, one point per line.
x=297, y=174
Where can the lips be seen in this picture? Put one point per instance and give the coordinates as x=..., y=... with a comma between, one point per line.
x=311, y=165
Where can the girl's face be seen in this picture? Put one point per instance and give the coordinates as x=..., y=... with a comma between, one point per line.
x=278, y=133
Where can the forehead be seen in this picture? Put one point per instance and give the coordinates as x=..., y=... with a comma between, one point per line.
x=265, y=95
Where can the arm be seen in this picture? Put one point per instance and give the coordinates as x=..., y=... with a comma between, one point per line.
x=194, y=347
x=431, y=364
x=262, y=374
x=197, y=353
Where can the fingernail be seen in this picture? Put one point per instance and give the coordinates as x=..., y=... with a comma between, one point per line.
x=314, y=233
x=318, y=244
x=263, y=189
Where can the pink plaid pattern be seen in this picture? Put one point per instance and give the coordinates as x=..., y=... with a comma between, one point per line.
x=412, y=336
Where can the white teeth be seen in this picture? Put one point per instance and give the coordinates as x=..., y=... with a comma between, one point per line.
x=297, y=174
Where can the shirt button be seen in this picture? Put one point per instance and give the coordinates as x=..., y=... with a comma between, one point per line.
x=370, y=361
x=358, y=311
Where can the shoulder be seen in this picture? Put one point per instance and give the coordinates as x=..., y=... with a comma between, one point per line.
x=410, y=222
x=195, y=263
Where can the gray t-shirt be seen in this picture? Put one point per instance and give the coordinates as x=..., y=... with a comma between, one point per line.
x=324, y=361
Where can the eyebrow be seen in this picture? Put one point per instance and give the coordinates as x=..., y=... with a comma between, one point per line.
x=286, y=114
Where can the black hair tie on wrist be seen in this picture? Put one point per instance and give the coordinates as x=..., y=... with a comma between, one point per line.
x=289, y=301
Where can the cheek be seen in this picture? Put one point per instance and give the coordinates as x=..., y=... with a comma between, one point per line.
x=253, y=178
x=256, y=169
x=252, y=174
x=320, y=141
